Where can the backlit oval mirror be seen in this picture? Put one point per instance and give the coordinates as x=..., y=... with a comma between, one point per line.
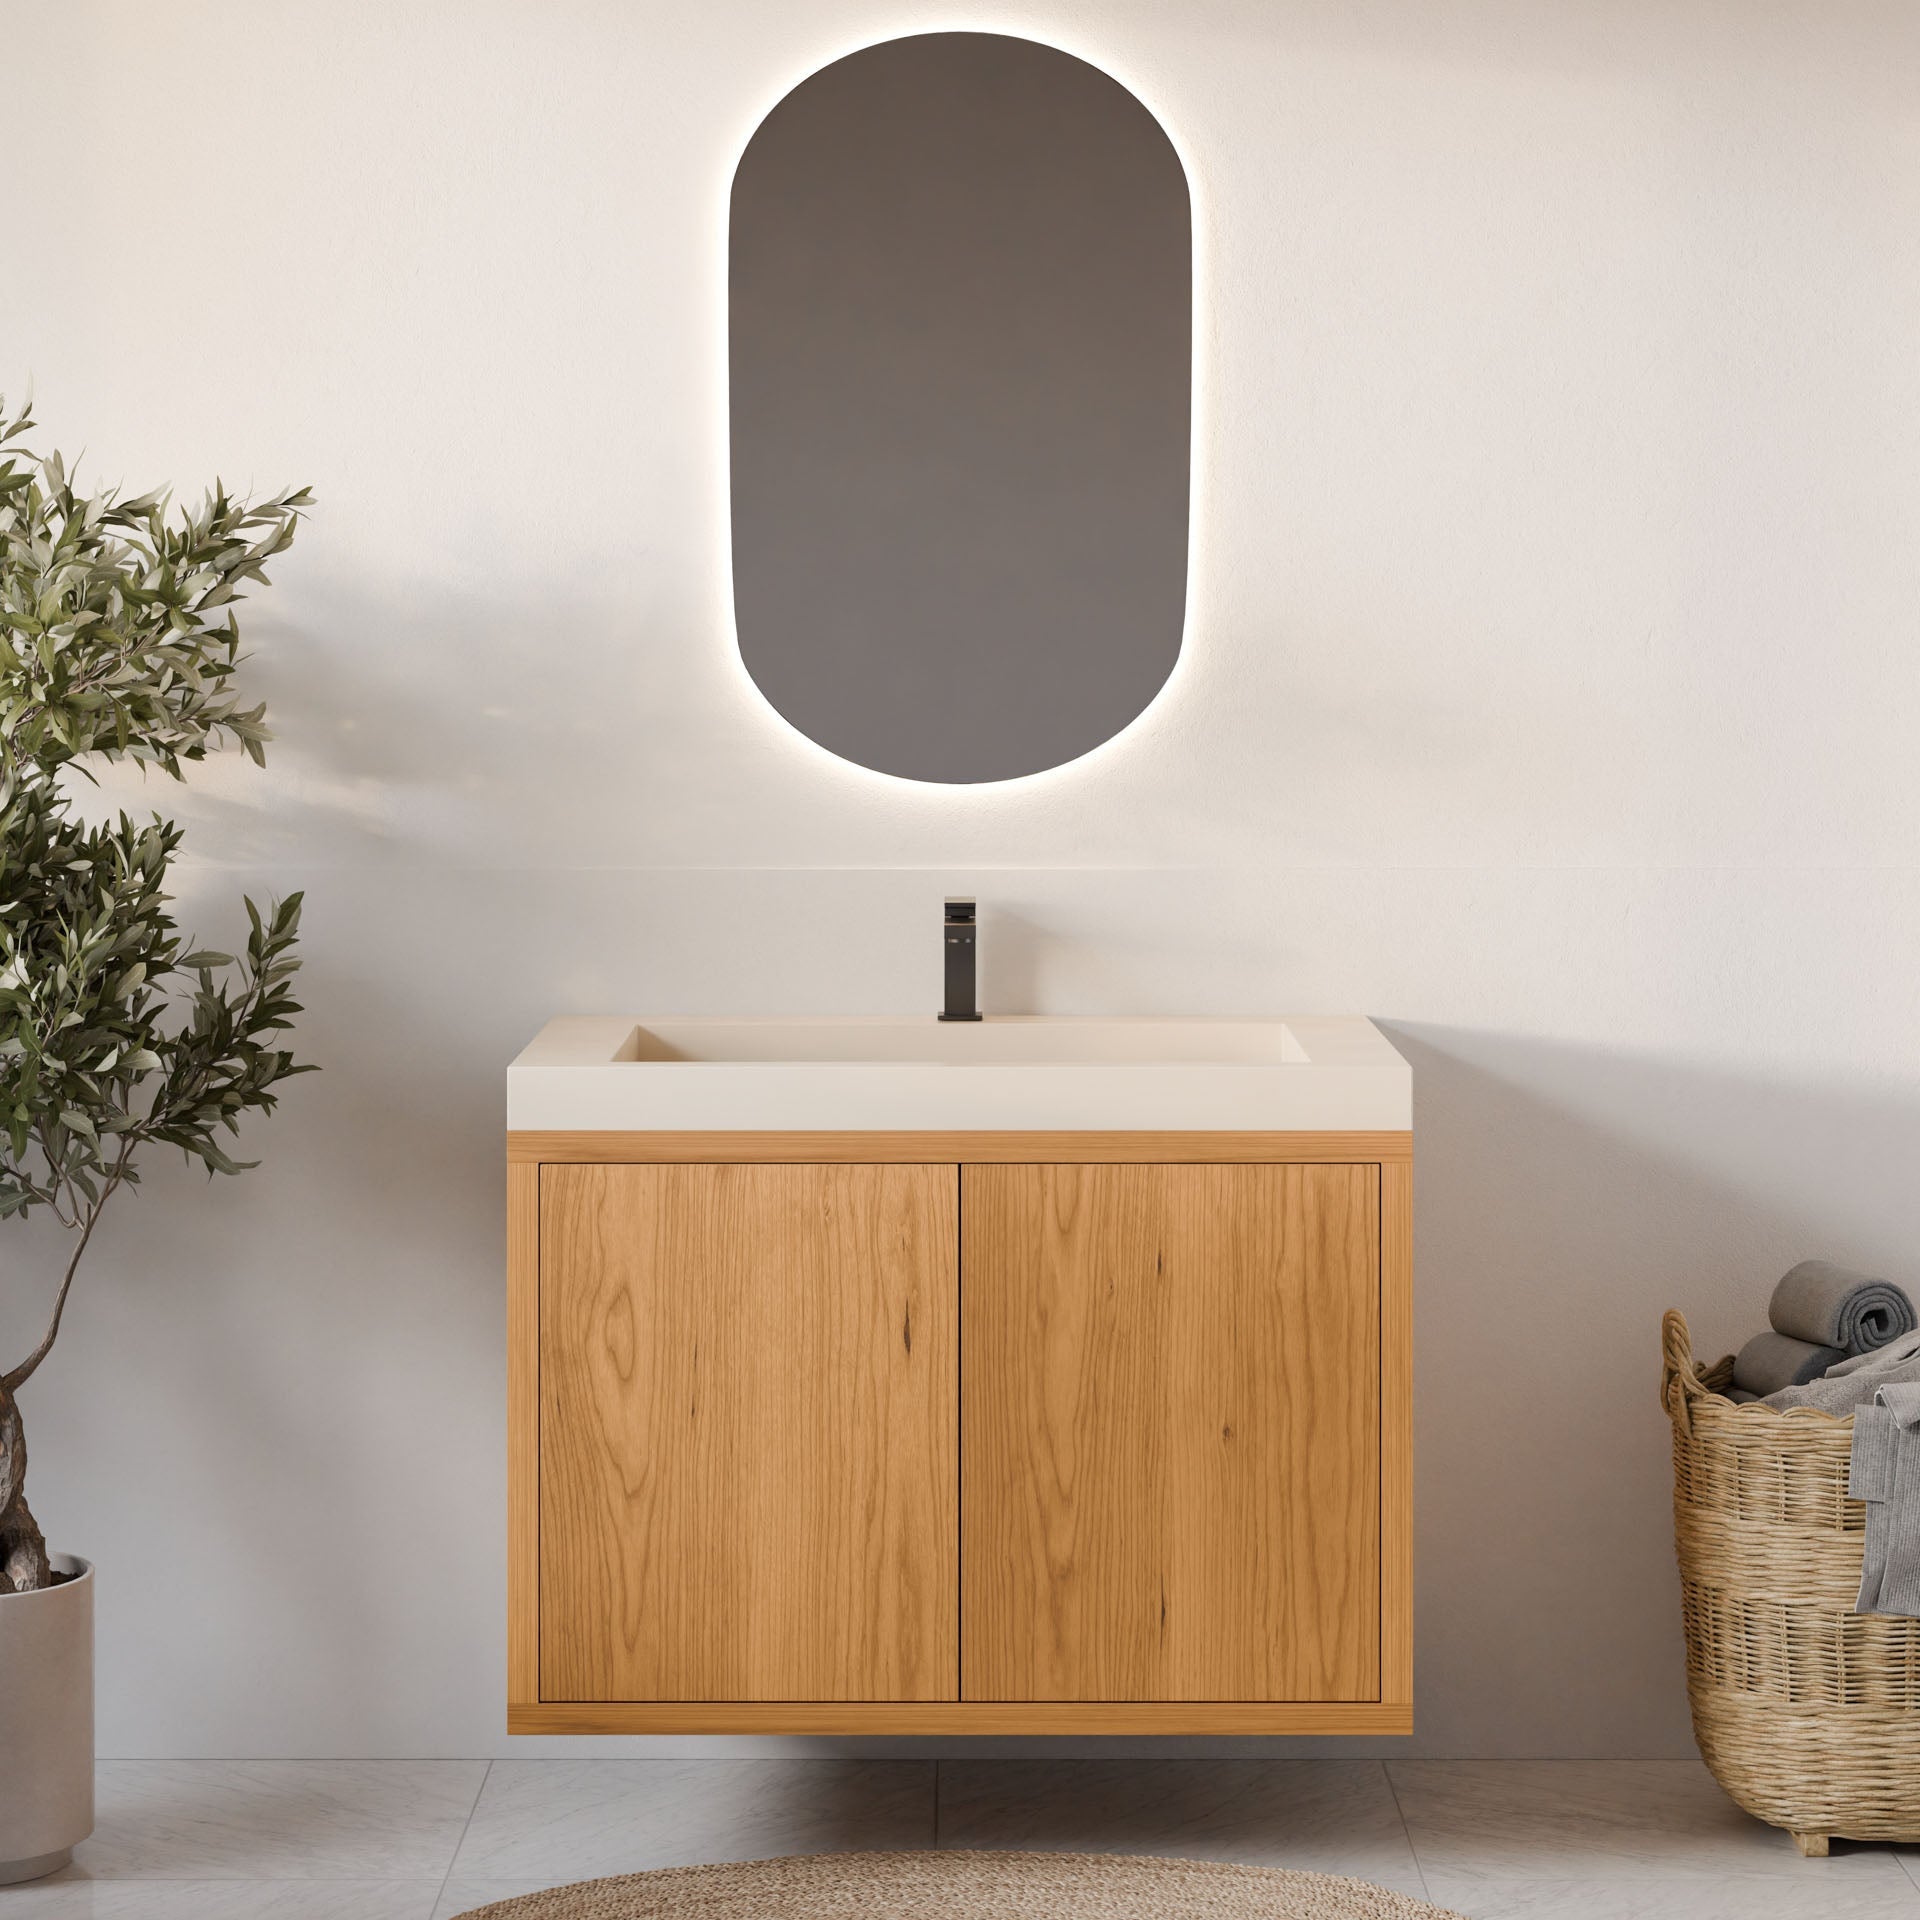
x=960, y=347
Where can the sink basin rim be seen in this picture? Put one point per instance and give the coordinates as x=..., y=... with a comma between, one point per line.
x=911, y=1073
x=1016, y=1040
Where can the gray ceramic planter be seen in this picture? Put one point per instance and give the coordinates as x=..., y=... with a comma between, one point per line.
x=46, y=1723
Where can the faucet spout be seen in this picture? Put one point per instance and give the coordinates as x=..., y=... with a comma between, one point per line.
x=958, y=938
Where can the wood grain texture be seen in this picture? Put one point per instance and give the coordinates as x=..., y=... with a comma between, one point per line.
x=1396, y=1434
x=748, y=1398
x=928, y=1148
x=964, y=1716
x=1170, y=1433
x=523, y=1434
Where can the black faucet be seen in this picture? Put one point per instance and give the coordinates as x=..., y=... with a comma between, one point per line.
x=958, y=936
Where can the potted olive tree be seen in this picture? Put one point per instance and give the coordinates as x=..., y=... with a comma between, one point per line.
x=117, y=641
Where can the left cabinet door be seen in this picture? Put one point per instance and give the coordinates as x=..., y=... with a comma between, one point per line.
x=748, y=1432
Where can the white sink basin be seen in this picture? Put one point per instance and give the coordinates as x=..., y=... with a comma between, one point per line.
x=1023, y=1072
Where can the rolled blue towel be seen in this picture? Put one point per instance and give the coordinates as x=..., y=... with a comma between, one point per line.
x=1770, y=1361
x=1828, y=1306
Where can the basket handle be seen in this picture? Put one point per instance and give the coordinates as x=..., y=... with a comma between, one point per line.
x=1680, y=1381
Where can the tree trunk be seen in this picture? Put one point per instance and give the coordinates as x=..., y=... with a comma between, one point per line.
x=23, y=1549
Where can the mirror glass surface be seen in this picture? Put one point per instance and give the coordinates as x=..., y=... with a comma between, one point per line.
x=960, y=346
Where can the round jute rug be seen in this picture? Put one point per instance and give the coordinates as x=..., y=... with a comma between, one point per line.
x=965, y=1885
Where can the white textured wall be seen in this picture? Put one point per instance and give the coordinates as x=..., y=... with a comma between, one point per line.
x=1552, y=695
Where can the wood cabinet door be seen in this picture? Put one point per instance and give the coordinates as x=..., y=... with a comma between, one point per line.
x=1170, y=1433
x=748, y=1404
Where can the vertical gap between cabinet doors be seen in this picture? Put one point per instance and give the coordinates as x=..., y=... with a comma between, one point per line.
x=959, y=1449
x=539, y=1431
x=1379, y=1433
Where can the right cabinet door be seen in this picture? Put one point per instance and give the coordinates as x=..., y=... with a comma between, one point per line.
x=1170, y=1420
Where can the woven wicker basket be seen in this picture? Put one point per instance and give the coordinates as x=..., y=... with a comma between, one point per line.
x=1806, y=1712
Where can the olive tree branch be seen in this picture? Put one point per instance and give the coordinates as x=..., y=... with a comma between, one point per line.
x=14, y=1380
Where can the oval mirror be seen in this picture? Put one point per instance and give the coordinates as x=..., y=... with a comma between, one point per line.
x=960, y=344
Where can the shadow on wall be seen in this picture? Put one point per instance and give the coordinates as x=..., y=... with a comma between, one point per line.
x=279, y=1398
x=1564, y=1196
x=377, y=756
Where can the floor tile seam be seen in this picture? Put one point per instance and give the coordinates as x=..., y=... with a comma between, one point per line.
x=466, y=1827
x=93, y=1878
x=1406, y=1828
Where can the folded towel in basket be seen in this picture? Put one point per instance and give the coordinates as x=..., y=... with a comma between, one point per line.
x=1852, y=1383
x=1829, y=1306
x=1770, y=1361
x=1885, y=1473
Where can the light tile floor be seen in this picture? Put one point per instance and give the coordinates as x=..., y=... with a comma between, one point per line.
x=429, y=1839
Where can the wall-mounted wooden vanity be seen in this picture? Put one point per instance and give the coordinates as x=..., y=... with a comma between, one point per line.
x=913, y=1429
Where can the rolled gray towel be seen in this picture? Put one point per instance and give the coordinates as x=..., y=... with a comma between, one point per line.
x=1829, y=1306
x=1770, y=1361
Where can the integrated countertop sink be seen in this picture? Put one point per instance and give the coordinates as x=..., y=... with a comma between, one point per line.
x=831, y=1282
x=1025, y=1072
